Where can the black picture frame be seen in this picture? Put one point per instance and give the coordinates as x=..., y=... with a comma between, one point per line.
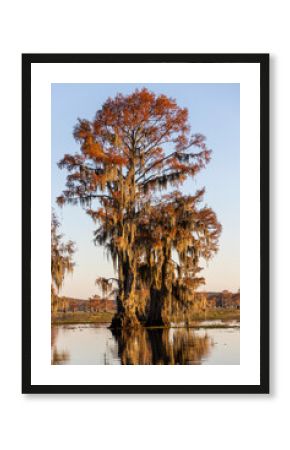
x=263, y=61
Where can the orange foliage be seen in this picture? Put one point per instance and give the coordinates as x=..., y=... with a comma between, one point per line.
x=136, y=146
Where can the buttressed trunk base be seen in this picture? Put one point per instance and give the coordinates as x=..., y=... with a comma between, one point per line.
x=158, y=310
x=126, y=316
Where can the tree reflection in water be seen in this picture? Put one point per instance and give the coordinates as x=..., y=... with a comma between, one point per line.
x=161, y=346
x=57, y=357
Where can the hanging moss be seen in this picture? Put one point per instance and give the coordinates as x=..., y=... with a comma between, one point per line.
x=138, y=147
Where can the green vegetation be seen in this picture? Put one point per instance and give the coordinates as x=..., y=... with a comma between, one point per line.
x=82, y=317
x=217, y=314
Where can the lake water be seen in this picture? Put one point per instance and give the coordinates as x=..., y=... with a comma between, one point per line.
x=96, y=344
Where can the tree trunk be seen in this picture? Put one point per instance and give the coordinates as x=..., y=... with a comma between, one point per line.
x=155, y=308
x=126, y=316
x=160, y=299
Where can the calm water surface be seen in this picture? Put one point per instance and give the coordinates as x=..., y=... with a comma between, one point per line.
x=95, y=344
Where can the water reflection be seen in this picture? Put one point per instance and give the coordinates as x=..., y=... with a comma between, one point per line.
x=96, y=344
x=57, y=357
x=162, y=346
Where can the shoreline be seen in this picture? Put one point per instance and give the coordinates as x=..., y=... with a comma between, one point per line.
x=194, y=321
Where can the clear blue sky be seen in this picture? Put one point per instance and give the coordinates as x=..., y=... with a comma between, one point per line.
x=214, y=110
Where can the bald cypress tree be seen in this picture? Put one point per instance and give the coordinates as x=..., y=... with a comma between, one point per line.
x=61, y=259
x=136, y=147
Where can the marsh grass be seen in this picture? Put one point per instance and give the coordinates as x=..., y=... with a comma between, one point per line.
x=216, y=314
x=82, y=317
x=193, y=321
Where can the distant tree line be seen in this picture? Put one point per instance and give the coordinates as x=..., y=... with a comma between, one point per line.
x=92, y=305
